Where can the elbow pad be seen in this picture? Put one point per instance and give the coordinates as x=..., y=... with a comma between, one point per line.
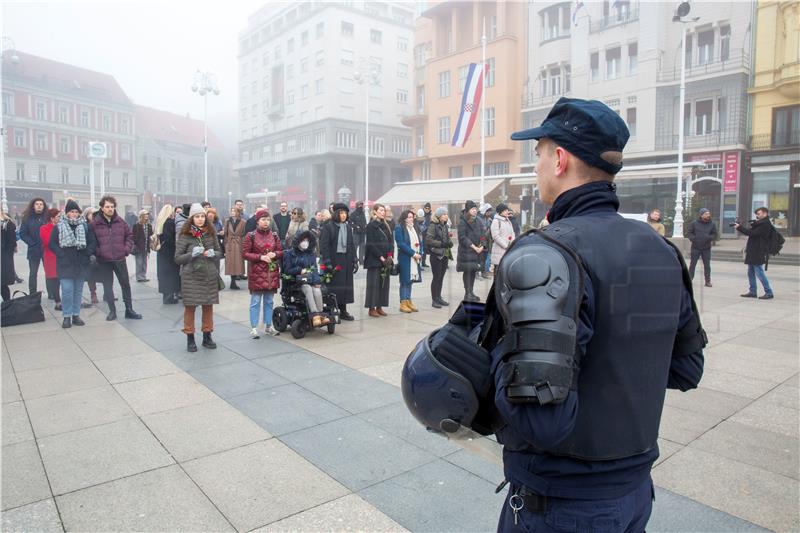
x=538, y=295
x=692, y=338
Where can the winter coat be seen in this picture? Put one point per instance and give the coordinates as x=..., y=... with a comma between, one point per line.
x=296, y=260
x=294, y=228
x=72, y=263
x=515, y=225
x=405, y=253
x=658, y=226
x=470, y=231
x=141, y=238
x=257, y=243
x=200, y=274
x=8, y=245
x=342, y=282
x=180, y=220
x=502, y=237
x=437, y=238
x=48, y=256
x=168, y=271
x=359, y=221
x=29, y=233
x=234, y=233
x=282, y=222
x=702, y=234
x=379, y=243
x=114, y=238
x=756, y=250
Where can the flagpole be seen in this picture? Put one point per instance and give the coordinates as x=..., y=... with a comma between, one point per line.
x=483, y=113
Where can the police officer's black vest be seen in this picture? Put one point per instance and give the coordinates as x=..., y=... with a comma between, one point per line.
x=637, y=284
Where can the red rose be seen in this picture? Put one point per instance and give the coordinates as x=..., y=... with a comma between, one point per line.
x=509, y=237
x=322, y=267
x=450, y=235
x=338, y=268
x=416, y=245
x=389, y=254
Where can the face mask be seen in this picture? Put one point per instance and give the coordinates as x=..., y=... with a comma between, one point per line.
x=304, y=245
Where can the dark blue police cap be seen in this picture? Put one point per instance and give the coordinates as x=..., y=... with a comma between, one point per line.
x=586, y=128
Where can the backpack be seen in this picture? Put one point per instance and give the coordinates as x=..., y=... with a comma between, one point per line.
x=155, y=242
x=775, y=242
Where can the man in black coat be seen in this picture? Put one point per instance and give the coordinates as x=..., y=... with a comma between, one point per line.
x=756, y=252
x=282, y=220
x=358, y=220
x=702, y=233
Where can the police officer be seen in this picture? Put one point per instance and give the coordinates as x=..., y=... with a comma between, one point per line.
x=579, y=359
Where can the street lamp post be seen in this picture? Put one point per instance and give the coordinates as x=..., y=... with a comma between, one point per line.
x=368, y=78
x=14, y=60
x=680, y=16
x=204, y=83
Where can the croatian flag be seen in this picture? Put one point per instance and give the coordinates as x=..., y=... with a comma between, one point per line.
x=470, y=104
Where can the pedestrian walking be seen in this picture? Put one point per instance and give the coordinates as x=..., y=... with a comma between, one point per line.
x=92, y=275
x=114, y=244
x=502, y=234
x=297, y=225
x=654, y=219
x=282, y=220
x=233, y=235
x=338, y=248
x=756, y=252
x=702, y=233
x=359, y=222
x=49, y=258
x=74, y=247
x=378, y=260
x=262, y=249
x=8, y=247
x=167, y=270
x=142, y=231
x=439, y=246
x=33, y=218
x=471, y=241
x=197, y=251
x=408, y=259
x=300, y=261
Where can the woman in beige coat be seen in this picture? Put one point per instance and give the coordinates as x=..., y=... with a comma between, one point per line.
x=502, y=234
x=232, y=237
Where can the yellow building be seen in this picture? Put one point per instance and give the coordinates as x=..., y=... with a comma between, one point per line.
x=447, y=40
x=773, y=159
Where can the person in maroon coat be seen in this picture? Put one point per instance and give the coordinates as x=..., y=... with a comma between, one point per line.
x=114, y=244
x=262, y=248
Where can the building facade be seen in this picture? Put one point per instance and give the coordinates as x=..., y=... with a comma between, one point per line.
x=447, y=39
x=628, y=55
x=772, y=164
x=308, y=72
x=51, y=111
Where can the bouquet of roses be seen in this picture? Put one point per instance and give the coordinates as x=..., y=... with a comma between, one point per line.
x=386, y=269
x=327, y=270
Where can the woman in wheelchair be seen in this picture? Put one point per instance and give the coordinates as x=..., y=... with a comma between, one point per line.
x=301, y=262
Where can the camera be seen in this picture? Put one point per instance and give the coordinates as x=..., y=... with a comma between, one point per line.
x=735, y=221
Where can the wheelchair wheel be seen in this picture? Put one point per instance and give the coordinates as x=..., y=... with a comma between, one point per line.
x=331, y=328
x=280, y=319
x=298, y=329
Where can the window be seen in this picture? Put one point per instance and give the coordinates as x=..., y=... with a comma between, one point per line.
x=277, y=53
x=543, y=83
x=633, y=58
x=63, y=114
x=377, y=145
x=106, y=122
x=722, y=113
x=375, y=36
x=455, y=172
x=705, y=47
x=555, y=81
x=420, y=99
x=107, y=178
x=345, y=139
x=402, y=70
x=346, y=86
x=63, y=145
x=320, y=30
x=64, y=174
x=724, y=43
x=290, y=45
x=347, y=29
x=20, y=138
x=305, y=142
x=594, y=66
x=124, y=125
x=402, y=96
x=490, y=72
x=289, y=97
x=492, y=27
x=555, y=21
x=319, y=57
x=444, y=84
x=347, y=57
x=786, y=126
x=125, y=183
x=444, y=130
x=289, y=72
x=401, y=145
x=125, y=152
x=8, y=104
x=402, y=44
x=612, y=63
x=320, y=86
x=420, y=140
x=492, y=169
x=426, y=170
x=304, y=91
x=303, y=64
x=304, y=38
x=489, y=124
x=567, y=79
x=41, y=141
x=630, y=118
x=21, y=171
x=702, y=115
x=462, y=78
x=42, y=173
x=41, y=111
x=244, y=113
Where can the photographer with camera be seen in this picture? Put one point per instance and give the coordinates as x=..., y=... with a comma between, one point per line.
x=758, y=232
x=703, y=234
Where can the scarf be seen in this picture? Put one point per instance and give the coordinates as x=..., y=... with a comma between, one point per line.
x=341, y=243
x=72, y=233
x=414, y=241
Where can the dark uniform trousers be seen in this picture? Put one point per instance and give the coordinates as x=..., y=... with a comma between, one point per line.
x=120, y=269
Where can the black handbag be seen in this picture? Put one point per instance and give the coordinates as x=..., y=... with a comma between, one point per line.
x=26, y=309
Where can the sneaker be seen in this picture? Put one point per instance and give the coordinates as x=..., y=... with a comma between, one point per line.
x=254, y=333
x=270, y=330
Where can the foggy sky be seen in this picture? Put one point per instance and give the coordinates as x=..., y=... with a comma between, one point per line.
x=151, y=48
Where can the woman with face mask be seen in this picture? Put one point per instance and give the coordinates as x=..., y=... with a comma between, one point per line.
x=74, y=246
x=301, y=261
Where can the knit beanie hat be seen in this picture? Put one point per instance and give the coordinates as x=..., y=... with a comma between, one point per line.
x=261, y=213
x=500, y=208
x=440, y=211
x=196, y=209
x=72, y=205
x=703, y=211
x=420, y=213
x=469, y=204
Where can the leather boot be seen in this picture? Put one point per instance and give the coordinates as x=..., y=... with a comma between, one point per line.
x=373, y=312
x=380, y=311
x=234, y=286
x=67, y=323
x=208, y=342
x=404, y=308
x=190, y=344
x=112, y=312
x=411, y=306
x=130, y=313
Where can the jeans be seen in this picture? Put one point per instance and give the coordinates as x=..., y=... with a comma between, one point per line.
x=33, y=274
x=706, y=256
x=71, y=290
x=120, y=269
x=405, y=291
x=260, y=300
x=439, y=267
x=141, y=266
x=754, y=271
x=313, y=298
x=488, y=266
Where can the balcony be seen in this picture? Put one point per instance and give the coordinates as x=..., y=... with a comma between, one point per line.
x=615, y=19
x=530, y=100
x=715, y=139
x=766, y=141
x=418, y=118
x=276, y=112
x=740, y=61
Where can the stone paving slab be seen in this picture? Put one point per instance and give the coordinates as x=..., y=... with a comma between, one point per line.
x=61, y=353
x=707, y=401
x=257, y=348
x=491, y=472
x=163, y=393
x=682, y=426
x=770, y=416
x=396, y=419
x=733, y=383
x=52, y=415
x=261, y=483
x=41, y=517
x=23, y=479
x=134, y=367
x=234, y=379
x=353, y=391
x=59, y=380
x=10, y=389
x=673, y=513
x=189, y=362
x=16, y=426
x=299, y=365
x=124, y=346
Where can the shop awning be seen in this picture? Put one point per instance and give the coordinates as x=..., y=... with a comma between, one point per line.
x=451, y=191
